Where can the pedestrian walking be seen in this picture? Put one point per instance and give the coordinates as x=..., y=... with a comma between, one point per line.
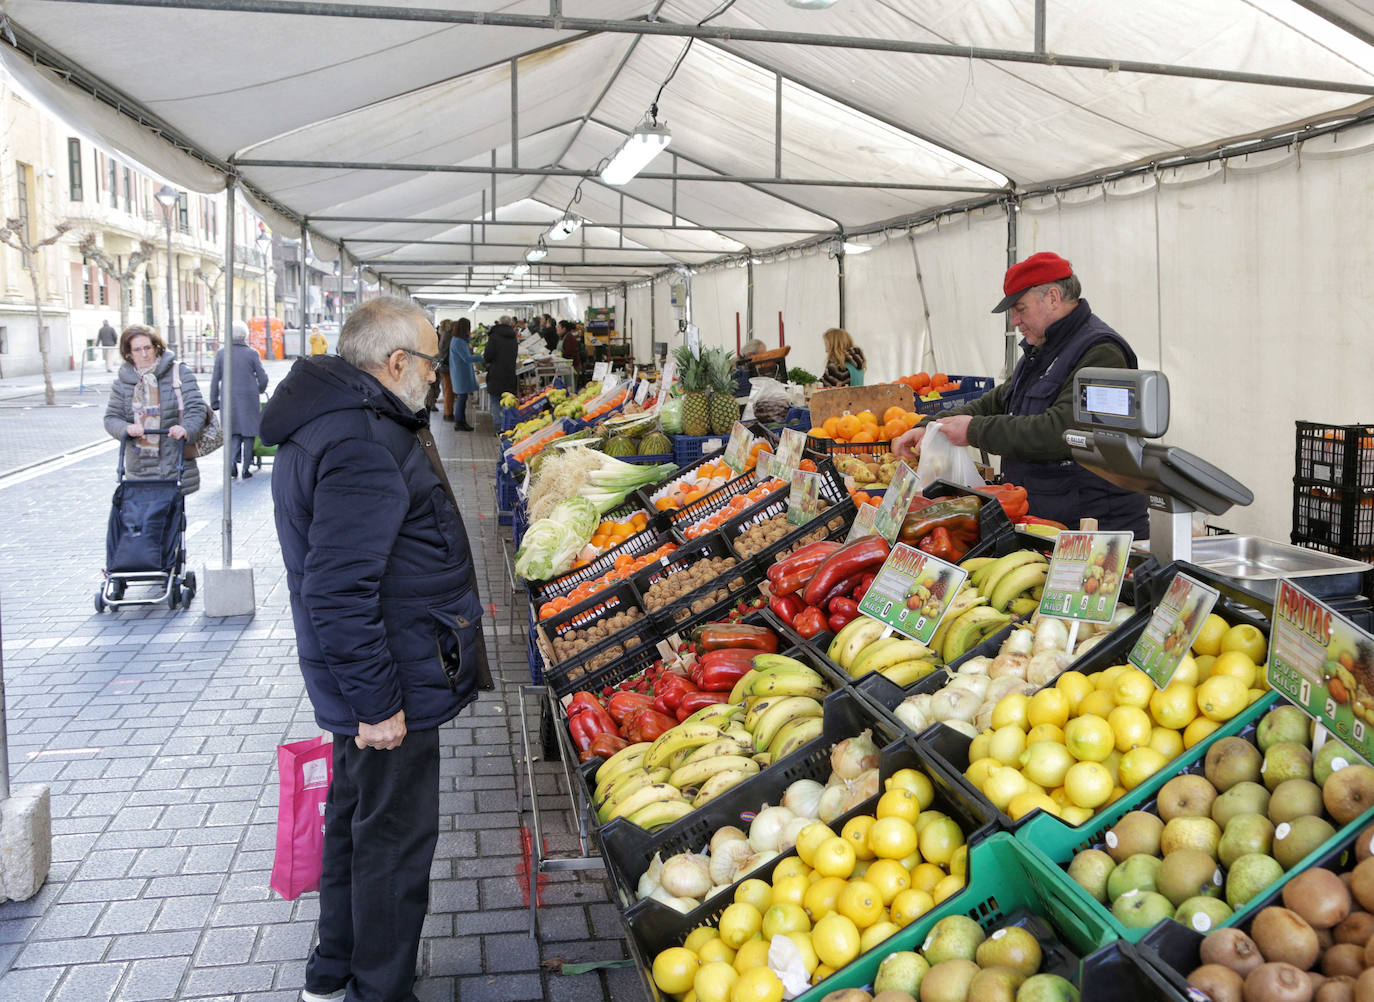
x=503, y=349
x=461, y=371
x=319, y=344
x=154, y=392
x=108, y=340
x=250, y=380
x=388, y=630
x=441, y=382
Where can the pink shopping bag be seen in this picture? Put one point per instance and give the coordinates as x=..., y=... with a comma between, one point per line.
x=305, y=769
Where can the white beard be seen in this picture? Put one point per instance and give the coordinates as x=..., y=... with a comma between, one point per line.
x=414, y=388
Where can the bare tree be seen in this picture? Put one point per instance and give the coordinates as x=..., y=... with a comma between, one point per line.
x=13, y=235
x=124, y=273
x=212, y=285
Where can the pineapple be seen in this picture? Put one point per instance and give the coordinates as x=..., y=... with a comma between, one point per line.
x=723, y=409
x=696, y=418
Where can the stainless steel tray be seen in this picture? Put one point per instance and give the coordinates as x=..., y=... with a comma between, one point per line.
x=1259, y=563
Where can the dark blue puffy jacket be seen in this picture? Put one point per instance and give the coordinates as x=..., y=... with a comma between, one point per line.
x=377, y=558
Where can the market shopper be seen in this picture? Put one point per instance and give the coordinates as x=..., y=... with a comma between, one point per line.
x=319, y=344
x=250, y=380
x=503, y=348
x=388, y=630
x=844, y=360
x=460, y=366
x=441, y=382
x=571, y=347
x=1023, y=419
x=108, y=340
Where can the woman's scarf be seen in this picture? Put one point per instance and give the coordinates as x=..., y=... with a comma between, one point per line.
x=147, y=408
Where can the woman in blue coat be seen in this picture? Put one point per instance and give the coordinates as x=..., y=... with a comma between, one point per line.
x=461, y=372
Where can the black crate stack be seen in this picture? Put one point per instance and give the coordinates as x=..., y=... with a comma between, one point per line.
x=1333, y=489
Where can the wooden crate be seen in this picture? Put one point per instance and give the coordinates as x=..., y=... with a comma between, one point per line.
x=840, y=400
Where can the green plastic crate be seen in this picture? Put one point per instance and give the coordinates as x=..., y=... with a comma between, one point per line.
x=1003, y=877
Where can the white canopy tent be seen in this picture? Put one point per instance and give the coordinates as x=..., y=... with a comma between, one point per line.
x=1206, y=166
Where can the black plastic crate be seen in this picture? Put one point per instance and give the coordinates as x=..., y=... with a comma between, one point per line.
x=833, y=523
x=536, y=657
x=676, y=615
x=645, y=541
x=1336, y=455
x=1119, y=971
x=574, y=672
x=1338, y=520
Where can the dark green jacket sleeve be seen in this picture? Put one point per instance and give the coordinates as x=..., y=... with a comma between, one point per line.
x=1037, y=437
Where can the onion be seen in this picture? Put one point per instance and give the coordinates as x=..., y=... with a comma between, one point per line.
x=976, y=666
x=954, y=704
x=683, y=905
x=1050, y=635
x=832, y=802
x=767, y=828
x=647, y=885
x=729, y=833
x=1046, y=666
x=911, y=717
x=976, y=684
x=751, y=864
x=1086, y=645
x=962, y=727
x=853, y=755
x=1008, y=663
x=862, y=789
x=686, y=876
x=655, y=867
x=803, y=798
x=982, y=720
x=791, y=830
x=1021, y=641
x=999, y=687
x=726, y=858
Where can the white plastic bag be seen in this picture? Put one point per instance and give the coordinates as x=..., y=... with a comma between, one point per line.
x=768, y=401
x=940, y=460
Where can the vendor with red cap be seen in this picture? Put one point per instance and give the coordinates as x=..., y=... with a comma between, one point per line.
x=1023, y=420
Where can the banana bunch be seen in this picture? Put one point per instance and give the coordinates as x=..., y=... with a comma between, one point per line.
x=1012, y=583
x=508, y=400
x=860, y=648
x=774, y=710
x=526, y=428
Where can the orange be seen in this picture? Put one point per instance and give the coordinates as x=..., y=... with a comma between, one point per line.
x=866, y=435
x=911, y=419
x=893, y=413
x=849, y=426
x=893, y=428
x=867, y=417
x=818, y=433
x=831, y=426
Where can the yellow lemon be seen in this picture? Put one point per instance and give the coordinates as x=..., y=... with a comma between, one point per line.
x=752, y=954
x=715, y=949
x=1168, y=743
x=958, y=863
x=889, y=877
x=1023, y=803
x=1221, y=697
x=892, y=838
x=1075, y=685
x=860, y=903
x=1106, y=678
x=1252, y=695
x=1088, y=784
x=1238, y=665
x=1045, y=763
x=911, y=861
x=819, y=900
x=755, y=892
x=928, y=817
x=810, y=838
x=835, y=858
x=977, y=773
x=836, y=940
x=1002, y=784
x=1075, y=815
x=978, y=747
x=1089, y=738
x=675, y=969
x=924, y=876
x=939, y=840
x=1175, y=705
x=1187, y=671
x=714, y=981
x=1007, y=744
x=948, y=887
x=875, y=934
x=1011, y=709
x=915, y=781
x=1204, y=666
x=790, y=867
x=1044, y=732
x=1048, y=706
x=759, y=984
x=784, y=918
x=738, y=924
x=1133, y=688
x=700, y=936
x=1112, y=763
x=791, y=889
x=1198, y=730
x=1209, y=637
x=1131, y=725
x=898, y=803
x=1097, y=703
x=1245, y=638
x=802, y=941
x=856, y=831
x=911, y=904
x=1138, y=765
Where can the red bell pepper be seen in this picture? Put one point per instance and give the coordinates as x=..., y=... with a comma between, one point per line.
x=672, y=687
x=809, y=622
x=623, y=702
x=605, y=745
x=584, y=704
x=694, y=701
x=719, y=636
x=843, y=604
x=840, y=588
x=580, y=726
x=721, y=676
x=808, y=556
x=648, y=725
x=837, y=621
x=861, y=589
x=938, y=543
x=1036, y=520
x=734, y=659
x=862, y=555
x=785, y=607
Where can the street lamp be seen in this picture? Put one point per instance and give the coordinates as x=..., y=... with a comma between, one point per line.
x=167, y=197
x=264, y=242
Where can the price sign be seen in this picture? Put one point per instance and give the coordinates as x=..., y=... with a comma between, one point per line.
x=694, y=340
x=790, y=446
x=665, y=380
x=1176, y=622
x=804, y=499
x=1085, y=576
x=611, y=381
x=737, y=449
x=896, y=501
x=1324, y=663
x=599, y=371
x=642, y=391
x=912, y=592
x=545, y=432
x=863, y=522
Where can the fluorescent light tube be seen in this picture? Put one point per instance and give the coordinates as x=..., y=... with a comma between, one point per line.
x=537, y=253
x=564, y=228
x=646, y=142
x=853, y=248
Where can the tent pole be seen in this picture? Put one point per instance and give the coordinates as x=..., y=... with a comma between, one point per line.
x=1009, y=349
x=515, y=110
x=840, y=258
x=304, y=298
x=686, y=227
x=749, y=301
x=1039, y=27
x=777, y=125
x=227, y=393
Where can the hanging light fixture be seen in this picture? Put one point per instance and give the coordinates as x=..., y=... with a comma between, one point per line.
x=537, y=253
x=649, y=139
x=564, y=228
x=520, y=269
x=852, y=248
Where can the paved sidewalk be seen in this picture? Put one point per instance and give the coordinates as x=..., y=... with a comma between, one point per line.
x=156, y=732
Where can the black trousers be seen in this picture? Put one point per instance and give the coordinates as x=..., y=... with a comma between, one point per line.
x=380, y=829
x=242, y=452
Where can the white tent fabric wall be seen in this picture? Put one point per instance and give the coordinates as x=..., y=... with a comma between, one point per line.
x=717, y=296
x=806, y=291
x=665, y=316
x=640, y=319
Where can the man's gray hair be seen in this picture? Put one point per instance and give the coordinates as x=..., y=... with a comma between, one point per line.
x=505, y=320
x=1070, y=289
x=377, y=328
x=240, y=330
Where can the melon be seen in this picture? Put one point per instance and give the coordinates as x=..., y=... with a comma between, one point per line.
x=621, y=446
x=655, y=444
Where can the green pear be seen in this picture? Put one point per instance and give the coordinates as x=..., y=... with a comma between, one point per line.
x=1245, y=834
x=1047, y=988
x=954, y=937
x=1142, y=909
x=1286, y=760
x=1186, y=874
x=1282, y=723
x=1243, y=798
x=901, y=971
x=1138, y=873
x=1250, y=875
x=1090, y=870
x=1295, y=798
x=1202, y=913
x=1295, y=839
x=1333, y=756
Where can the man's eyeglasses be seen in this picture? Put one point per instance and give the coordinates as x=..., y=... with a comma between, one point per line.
x=434, y=361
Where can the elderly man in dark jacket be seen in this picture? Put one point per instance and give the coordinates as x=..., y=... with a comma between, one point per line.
x=388, y=630
x=503, y=348
x=250, y=379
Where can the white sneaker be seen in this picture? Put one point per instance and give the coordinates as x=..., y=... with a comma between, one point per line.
x=309, y=996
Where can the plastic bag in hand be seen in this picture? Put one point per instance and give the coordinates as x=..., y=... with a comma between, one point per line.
x=941, y=460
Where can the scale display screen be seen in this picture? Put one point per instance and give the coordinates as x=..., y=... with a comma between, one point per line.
x=1114, y=400
x=1127, y=400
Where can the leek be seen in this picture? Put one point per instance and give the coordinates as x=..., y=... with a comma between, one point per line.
x=615, y=481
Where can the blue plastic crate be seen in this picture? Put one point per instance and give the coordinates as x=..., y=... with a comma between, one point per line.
x=520, y=522
x=970, y=388
x=649, y=460
x=536, y=659
x=689, y=448
x=512, y=416
x=506, y=495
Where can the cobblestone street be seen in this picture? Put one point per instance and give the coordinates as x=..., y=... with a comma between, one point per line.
x=156, y=732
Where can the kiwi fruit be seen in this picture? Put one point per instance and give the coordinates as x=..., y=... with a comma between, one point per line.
x=1277, y=982
x=848, y=995
x=1362, y=884
x=1231, y=948
x=1220, y=984
x=1325, y=940
x=1369, y=953
x=1319, y=896
x=1355, y=928
x=1364, y=844
x=1283, y=937
x=1344, y=958
x=1364, y=985
x=1317, y=978
x=1337, y=989
x=894, y=995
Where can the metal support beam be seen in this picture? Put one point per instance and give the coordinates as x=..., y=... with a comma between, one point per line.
x=515, y=112
x=227, y=338
x=378, y=12
x=493, y=182
x=303, y=298
x=1040, y=27
x=839, y=257
x=1325, y=13
x=684, y=227
x=749, y=303
x=777, y=125
x=714, y=252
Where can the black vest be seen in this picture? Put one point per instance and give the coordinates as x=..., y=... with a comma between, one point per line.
x=1061, y=489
